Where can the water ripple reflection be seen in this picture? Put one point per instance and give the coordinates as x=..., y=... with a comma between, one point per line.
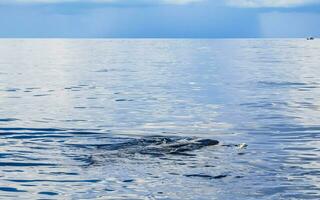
x=159, y=119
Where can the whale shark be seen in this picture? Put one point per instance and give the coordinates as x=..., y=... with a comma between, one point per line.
x=159, y=145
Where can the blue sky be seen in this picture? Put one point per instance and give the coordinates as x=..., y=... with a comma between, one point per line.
x=159, y=18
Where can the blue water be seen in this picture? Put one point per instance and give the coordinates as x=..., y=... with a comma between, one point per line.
x=138, y=119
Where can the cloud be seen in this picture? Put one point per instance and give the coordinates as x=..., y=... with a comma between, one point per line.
x=129, y=2
x=231, y=3
x=271, y=3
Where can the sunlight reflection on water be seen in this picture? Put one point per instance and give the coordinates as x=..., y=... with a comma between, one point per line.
x=62, y=100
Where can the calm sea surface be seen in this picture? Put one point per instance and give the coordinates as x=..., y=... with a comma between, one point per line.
x=122, y=119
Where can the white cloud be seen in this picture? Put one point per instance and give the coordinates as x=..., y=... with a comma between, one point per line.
x=234, y=3
x=130, y=2
x=270, y=3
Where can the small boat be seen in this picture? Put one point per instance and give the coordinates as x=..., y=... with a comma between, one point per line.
x=310, y=38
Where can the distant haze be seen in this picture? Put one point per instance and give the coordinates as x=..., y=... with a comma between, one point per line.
x=159, y=18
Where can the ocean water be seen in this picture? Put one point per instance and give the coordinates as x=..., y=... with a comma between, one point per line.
x=140, y=119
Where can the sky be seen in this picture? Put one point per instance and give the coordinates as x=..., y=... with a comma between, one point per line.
x=159, y=18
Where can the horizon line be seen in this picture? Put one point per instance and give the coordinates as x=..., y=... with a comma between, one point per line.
x=157, y=37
